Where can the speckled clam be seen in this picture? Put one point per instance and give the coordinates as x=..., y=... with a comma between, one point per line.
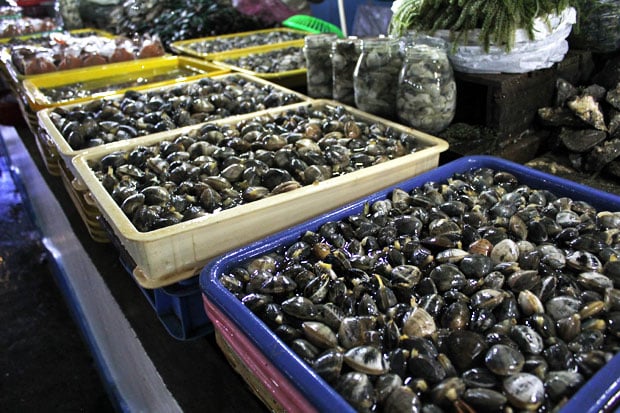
x=217, y=167
x=229, y=42
x=421, y=321
x=272, y=61
x=139, y=113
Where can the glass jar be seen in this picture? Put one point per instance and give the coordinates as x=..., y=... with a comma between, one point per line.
x=408, y=39
x=317, y=51
x=426, y=88
x=375, y=79
x=345, y=53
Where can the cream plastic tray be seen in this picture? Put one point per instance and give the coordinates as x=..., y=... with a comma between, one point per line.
x=52, y=135
x=171, y=254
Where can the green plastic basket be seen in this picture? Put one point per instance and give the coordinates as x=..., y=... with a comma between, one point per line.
x=311, y=24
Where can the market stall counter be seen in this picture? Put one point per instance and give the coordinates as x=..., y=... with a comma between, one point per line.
x=142, y=366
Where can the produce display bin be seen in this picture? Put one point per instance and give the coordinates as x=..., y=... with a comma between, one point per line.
x=44, y=41
x=14, y=77
x=87, y=31
x=284, y=374
x=260, y=374
x=101, y=81
x=49, y=133
x=15, y=80
x=263, y=37
x=171, y=254
x=111, y=79
x=10, y=12
x=88, y=212
x=9, y=70
x=290, y=78
x=7, y=42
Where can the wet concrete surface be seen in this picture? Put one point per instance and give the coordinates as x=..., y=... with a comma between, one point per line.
x=45, y=365
x=195, y=371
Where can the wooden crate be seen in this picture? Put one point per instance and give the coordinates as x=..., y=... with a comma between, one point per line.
x=508, y=102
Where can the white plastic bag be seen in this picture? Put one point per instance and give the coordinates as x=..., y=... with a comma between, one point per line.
x=548, y=47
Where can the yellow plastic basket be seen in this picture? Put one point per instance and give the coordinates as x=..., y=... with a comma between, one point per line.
x=188, y=46
x=175, y=253
x=289, y=78
x=116, y=78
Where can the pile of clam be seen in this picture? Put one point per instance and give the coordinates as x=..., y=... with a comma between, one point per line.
x=112, y=84
x=225, y=43
x=137, y=113
x=218, y=167
x=586, y=122
x=477, y=294
x=272, y=61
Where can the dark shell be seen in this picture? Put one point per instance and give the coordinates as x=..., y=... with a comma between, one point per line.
x=602, y=154
x=581, y=140
x=466, y=348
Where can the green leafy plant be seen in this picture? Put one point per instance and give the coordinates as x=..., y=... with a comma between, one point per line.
x=497, y=20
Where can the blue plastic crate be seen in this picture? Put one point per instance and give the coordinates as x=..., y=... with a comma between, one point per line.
x=177, y=306
x=598, y=394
